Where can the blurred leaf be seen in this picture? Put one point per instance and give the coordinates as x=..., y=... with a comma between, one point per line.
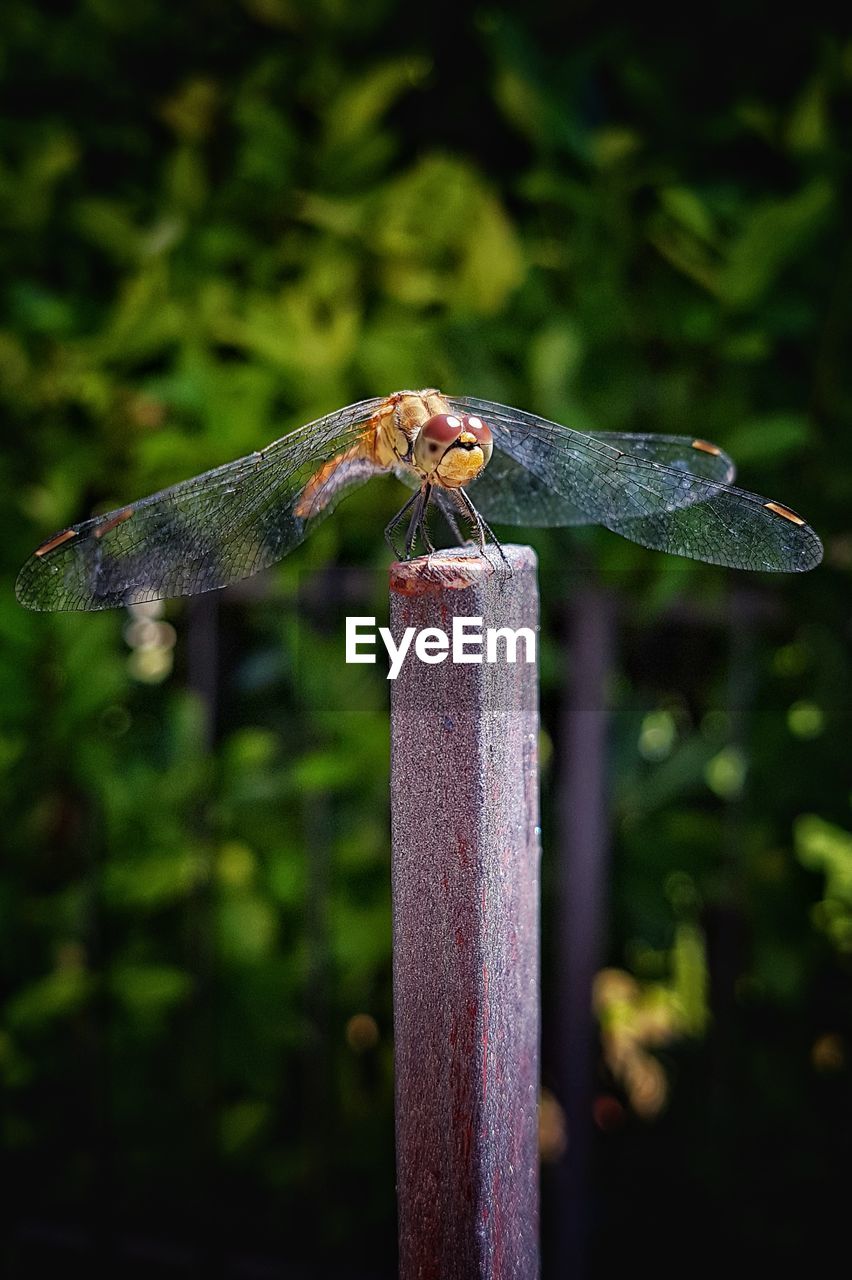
x=726, y=773
x=190, y=110
x=446, y=239
x=807, y=128
x=153, y=880
x=37, y=310
x=689, y=210
x=241, y=1123
x=824, y=847
x=287, y=877
x=246, y=929
x=56, y=995
x=108, y=226
x=691, y=978
x=26, y=196
x=268, y=145
x=324, y=771
x=772, y=234
x=610, y=147
x=555, y=355
x=529, y=102
x=145, y=318
x=363, y=102
x=686, y=253
x=147, y=989
x=235, y=865
x=186, y=179
x=251, y=748
x=772, y=437
x=275, y=13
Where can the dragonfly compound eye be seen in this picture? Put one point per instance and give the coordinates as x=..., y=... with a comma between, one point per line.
x=452, y=448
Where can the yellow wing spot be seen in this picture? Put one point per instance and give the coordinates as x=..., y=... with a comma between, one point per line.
x=704, y=446
x=785, y=512
x=53, y=543
x=118, y=518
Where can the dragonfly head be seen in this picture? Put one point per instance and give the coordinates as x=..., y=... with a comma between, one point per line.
x=452, y=448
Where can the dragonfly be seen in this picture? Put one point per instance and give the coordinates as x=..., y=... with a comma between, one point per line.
x=478, y=462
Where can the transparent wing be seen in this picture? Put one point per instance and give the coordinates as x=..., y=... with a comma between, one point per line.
x=508, y=492
x=634, y=492
x=206, y=532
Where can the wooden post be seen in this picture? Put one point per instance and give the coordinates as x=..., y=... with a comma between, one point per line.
x=465, y=927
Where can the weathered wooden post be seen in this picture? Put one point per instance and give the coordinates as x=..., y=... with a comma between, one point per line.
x=465, y=925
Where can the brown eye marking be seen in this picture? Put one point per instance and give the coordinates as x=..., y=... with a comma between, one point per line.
x=785, y=512
x=118, y=518
x=442, y=428
x=706, y=447
x=53, y=543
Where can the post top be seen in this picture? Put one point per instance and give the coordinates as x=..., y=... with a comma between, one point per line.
x=458, y=568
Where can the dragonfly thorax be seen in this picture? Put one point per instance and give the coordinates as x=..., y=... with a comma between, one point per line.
x=421, y=431
x=398, y=423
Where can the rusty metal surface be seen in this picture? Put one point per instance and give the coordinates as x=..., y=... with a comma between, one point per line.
x=465, y=903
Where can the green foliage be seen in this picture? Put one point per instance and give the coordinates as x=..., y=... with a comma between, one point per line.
x=826, y=848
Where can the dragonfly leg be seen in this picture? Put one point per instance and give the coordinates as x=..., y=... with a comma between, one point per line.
x=482, y=527
x=447, y=512
x=424, y=521
x=418, y=522
x=412, y=529
x=392, y=527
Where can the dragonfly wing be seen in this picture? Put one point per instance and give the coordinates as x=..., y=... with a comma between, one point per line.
x=408, y=477
x=206, y=532
x=682, y=453
x=508, y=492
x=658, y=504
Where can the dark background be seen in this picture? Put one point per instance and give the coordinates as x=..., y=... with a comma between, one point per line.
x=220, y=220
